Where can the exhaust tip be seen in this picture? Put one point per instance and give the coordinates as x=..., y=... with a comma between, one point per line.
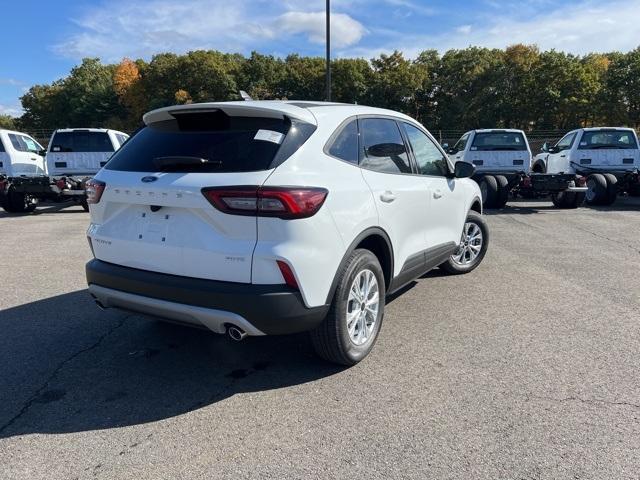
x=236, y=333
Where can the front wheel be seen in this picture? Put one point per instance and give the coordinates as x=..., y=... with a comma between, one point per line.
x=472, y=247
x=351, y=327
x=567, y=200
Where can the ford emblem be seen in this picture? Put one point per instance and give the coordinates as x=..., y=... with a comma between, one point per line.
x=149, y=179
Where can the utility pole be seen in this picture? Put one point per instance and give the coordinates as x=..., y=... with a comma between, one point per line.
x=328, y=67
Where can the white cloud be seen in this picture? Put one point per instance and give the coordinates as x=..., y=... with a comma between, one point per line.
x=140, y=29
x=11, y=110
x=593, y=27
x=345, y=31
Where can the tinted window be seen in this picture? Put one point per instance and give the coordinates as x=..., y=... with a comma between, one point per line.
x=1, y=146
x=428, y=157
x=383, y=148
x=223, y=143
x=345, y=144
x=22, y=143
x=607, y=139
x=80, y=141
x=566, y=141
x=462, y=143
x=499, y=141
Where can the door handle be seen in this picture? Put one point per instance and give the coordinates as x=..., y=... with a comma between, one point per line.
x=34, y=159
x=387, y=197
x=437, y=193
x=563, y=156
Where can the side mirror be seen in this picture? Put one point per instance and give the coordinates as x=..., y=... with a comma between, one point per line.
x=42, y=152
x=445, y=146
x=544, y=147
x=464, y=170
x=553, y=149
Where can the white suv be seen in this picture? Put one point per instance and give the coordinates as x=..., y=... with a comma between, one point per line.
x=270, y=217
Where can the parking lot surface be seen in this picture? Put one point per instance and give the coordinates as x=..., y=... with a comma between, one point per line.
x=526, y=368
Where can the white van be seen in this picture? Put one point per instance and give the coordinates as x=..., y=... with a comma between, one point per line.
x=20, y=155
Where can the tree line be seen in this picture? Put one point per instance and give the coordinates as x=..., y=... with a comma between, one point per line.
x=518, y=87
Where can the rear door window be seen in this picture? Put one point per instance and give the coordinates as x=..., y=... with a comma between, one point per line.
x=486, y=141
x=383, y=149
x=210, y=142
x=81, y=141
x=345, y=145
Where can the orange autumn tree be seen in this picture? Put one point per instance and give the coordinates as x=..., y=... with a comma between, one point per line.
x=127, y=84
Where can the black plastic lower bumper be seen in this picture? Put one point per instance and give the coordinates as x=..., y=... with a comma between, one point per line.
x=273, y=309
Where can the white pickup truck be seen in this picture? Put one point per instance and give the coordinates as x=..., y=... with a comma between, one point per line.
x=608, y=157
x=74, y=156
x=502, y=158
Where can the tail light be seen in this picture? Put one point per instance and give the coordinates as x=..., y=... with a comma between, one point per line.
x=94, y=189
x=287, y=274
x=280, y=202
x=61, y=183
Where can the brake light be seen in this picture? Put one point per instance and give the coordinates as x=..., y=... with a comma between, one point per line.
x=280, y=202
x=93, y=189
x=287, y=274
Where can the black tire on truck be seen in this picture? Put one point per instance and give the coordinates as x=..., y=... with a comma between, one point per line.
x=596, y=189
x=612, y=188
x=567, y=199
x=503, y=191
x=17, y=202
x=489, y=191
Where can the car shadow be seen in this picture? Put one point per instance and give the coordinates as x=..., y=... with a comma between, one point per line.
x=528, y=207
x=66, y=366
x=48, y=208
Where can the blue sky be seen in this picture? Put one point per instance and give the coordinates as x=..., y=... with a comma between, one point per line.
x=39, y=48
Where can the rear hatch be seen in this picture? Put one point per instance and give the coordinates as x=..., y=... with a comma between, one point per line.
x=612, y=149
x=78, y=152
x=153, y=214
x=500, y=150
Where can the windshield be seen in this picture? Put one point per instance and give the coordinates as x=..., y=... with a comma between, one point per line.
x=499, y=141
x=209, y=142
x=607, y=139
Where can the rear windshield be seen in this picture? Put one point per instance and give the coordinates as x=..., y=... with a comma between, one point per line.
x=607, y=139
x=499, y=141
x=80, y=141
x=209, y=142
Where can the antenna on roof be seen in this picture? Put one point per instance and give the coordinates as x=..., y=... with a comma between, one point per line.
x=245, y=96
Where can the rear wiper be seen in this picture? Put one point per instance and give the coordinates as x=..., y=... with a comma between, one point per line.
x=183, y=161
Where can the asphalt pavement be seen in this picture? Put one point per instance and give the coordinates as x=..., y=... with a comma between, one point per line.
x=526, y=368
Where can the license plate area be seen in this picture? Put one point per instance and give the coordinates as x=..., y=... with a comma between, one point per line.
x=154, y=227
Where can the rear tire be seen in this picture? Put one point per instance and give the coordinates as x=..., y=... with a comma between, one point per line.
x=596, y=189
x=467, y=258
x=567, y=200
x=503, y=191
x=17, y=202
x=349, y=331
x=85, y=205
x=489, y=191
x=612, y=188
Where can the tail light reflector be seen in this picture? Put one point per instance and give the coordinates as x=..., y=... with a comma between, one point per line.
x=280, y=202
x=287, y=274
x=94, y=189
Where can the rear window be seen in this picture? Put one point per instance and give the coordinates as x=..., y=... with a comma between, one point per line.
x=80, y=141
x=607, y=139
x=210, y=142
x=499, y=141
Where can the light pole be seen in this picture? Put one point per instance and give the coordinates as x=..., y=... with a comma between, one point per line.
x=328, y=67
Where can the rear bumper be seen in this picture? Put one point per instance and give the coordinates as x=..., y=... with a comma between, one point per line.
x=257, y=309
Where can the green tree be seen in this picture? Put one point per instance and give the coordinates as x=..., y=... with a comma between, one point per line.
x=8, y=122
